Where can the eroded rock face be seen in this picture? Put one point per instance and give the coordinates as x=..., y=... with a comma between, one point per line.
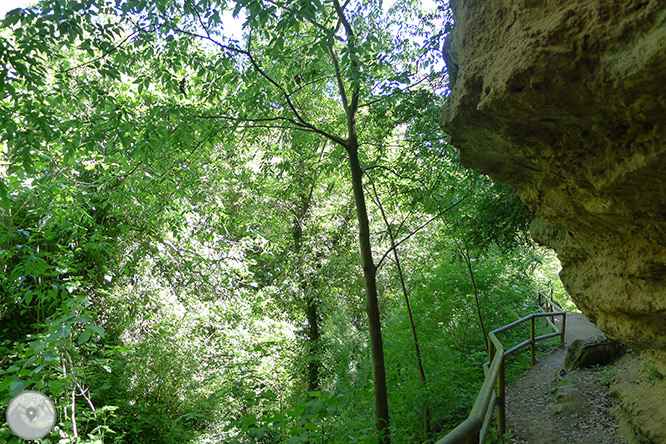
x=566, y=101
x=639, y=388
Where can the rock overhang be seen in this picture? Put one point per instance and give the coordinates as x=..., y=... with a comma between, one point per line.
x=566, y=101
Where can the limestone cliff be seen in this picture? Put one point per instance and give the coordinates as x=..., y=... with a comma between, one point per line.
x=566, y=101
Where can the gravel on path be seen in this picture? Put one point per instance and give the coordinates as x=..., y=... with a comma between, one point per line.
x=549, y=405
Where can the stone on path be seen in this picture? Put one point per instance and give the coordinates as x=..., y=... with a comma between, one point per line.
x=551, y=406
x=600, y=350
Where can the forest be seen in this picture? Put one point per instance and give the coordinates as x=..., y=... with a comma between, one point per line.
x=240, y=222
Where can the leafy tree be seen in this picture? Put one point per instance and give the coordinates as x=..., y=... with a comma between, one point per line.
x=290, y=49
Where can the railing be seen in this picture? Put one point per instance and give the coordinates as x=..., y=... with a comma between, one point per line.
x=492, y=394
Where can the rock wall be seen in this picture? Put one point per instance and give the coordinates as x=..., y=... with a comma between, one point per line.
x=639, y=388
x=566, y=101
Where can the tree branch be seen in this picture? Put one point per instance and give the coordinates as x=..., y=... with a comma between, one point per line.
x=425, y=224
x=298, y=116
x=353, y=106
x=107, y=52
x=338, y=78
x=299, y=120
x=403, y=90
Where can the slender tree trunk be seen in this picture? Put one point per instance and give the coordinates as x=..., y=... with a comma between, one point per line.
x=468, y=261
x=419, y=362
x=311, y=308
x=417, y=348
x=313, y=343
x=371, y=298
x=369, y=268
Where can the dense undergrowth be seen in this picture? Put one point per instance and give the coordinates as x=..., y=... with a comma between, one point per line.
x=175, y=365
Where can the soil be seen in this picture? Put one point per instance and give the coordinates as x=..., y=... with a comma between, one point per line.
x=549, y=405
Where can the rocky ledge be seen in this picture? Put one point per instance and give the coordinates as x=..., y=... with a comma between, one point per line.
x=566, y=101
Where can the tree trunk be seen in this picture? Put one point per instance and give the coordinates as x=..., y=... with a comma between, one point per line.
x=468, y=261
x=371, y=299
x=419, y=362
x=311, y=309
x=417, y=348
x=313, y=343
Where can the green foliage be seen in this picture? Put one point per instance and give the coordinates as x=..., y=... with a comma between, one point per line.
x=498, y=218
x=547, y=273
x=652, y=373
x=307, y=421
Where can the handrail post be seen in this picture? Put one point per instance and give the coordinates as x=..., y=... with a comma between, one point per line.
x=532, y=341
x=564, y=327
x=501, y=401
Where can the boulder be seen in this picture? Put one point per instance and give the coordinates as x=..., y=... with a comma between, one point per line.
x=601, y=350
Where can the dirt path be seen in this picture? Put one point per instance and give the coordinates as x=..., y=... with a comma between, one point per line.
x=551, y=406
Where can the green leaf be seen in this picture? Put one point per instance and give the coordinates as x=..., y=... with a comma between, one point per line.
x=16, y=387
x=6, y=381
x=62, y=332
x=12, y=17
x=56, y=387
x=311, y=426
x=50, y=356
x=248, y=421
x=96, y=329
x=84, y=337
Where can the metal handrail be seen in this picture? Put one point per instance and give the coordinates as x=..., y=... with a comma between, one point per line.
x=475, y=428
